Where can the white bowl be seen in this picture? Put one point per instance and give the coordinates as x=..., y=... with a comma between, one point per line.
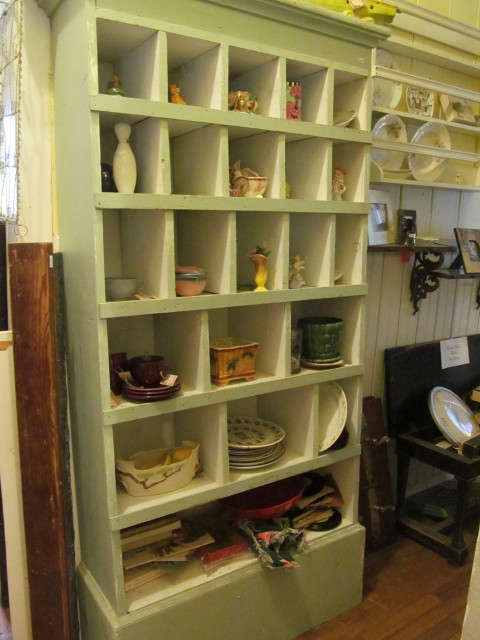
x=141, y=476
x=120, y=288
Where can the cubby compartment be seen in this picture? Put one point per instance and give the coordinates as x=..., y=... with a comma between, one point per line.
x=135, y=55
x=264, y=153
x=197, y=68
x=206, y=239
x=350, y=157
x=350, y=99
x=202, y=425
x=350, y=309
x=308, y=166
x=293, y=411
x=312, y=238
x=262, y=324
x=345, y=476
x=199, y=162
x=316, y=89
x=268, y=230
x=149, y=142
x=261, y=75
x=182, y=338
x=350, y=239
x=139, y=244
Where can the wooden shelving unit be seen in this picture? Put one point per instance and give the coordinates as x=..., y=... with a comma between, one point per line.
x=461, y=170
x=182, y=213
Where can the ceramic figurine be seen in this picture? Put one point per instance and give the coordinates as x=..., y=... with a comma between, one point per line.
x=295, y=277
x=246, y=182
x=124, y=164
x=338, y=186
x=176, y=98
x=294, y=101
x=114, y=88
x=242, y=101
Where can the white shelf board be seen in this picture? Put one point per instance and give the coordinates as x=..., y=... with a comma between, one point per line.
x=430, y=185
x=262, y=384
x=203, y=490
x=115, y=109
x=140, y=201
x=220, y=301
x=420, y=149
x=412, y=117
x=409, y=79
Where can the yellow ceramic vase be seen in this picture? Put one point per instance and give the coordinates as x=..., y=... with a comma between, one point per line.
x=260, y=276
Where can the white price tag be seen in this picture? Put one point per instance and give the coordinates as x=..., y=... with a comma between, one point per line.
x=454, y=352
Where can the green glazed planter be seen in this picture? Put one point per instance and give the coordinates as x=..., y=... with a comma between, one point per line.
x=322, y=337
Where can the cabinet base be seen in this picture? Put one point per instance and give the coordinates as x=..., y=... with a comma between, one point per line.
x=257, y=603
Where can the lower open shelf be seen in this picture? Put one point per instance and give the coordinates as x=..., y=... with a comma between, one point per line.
x=192, y=575
x=238, y=604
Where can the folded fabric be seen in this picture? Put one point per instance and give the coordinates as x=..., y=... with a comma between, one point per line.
x=273, y=541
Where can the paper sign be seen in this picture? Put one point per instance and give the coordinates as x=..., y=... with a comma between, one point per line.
x=454, y=352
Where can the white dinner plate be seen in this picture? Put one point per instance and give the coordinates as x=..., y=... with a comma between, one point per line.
x=390, y=128
x=332, y=410
x=429, y=168
x=245, y=432
x=452, y=416
x=386, y=93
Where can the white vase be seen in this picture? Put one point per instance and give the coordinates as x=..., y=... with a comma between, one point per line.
x=124, y=165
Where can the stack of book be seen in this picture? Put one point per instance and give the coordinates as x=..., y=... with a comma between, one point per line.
x=317, y=507
x=146, y=548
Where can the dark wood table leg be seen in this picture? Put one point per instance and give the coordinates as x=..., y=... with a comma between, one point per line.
x=463, y=492
x=403, y=466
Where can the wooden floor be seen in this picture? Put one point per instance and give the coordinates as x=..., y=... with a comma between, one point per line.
x=410, y=593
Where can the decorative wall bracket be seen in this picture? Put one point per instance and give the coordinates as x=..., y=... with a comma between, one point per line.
x=424, y=280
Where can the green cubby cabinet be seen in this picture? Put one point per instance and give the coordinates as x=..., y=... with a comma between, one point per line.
x=182, y=213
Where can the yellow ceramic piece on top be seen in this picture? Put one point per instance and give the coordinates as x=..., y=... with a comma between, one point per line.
x=176, y=98
x=373, y=11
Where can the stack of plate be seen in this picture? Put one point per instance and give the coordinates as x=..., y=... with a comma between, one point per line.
x=149, y=394
x=253, y=442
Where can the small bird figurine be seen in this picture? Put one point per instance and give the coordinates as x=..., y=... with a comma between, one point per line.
x=175, y=93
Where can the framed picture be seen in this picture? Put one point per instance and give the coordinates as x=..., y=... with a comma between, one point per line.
x=380, y=220
x=468, y=241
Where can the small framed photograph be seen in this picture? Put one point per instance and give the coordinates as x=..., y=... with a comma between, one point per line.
x=468, y=241
x=380, y=220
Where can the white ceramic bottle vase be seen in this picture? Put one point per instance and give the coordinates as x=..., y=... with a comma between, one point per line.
x=124, y=165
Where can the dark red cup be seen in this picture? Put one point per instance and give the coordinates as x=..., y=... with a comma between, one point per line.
x=148, y=370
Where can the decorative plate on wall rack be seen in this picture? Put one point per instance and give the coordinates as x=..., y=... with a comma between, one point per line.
x=427, y=168
x=386, y=93
x=420, y=101
x=390, y=128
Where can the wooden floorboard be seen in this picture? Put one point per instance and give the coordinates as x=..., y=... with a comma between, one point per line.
x=410, y=593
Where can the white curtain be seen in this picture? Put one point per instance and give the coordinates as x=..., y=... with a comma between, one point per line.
x=10, y=77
